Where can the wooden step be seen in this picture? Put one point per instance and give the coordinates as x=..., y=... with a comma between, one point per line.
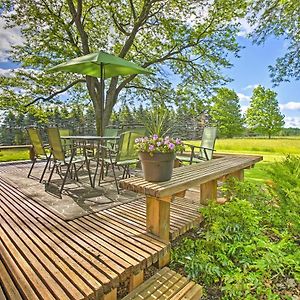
x=166, y=284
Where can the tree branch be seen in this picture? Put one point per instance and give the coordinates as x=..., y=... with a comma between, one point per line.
x=56, y=93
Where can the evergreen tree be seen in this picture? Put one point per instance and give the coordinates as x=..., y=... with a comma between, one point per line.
x=263, y=115
x=225, y=113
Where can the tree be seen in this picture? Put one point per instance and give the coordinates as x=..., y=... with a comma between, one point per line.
x=191, y=38
x=225, y=113
x=280, y=18
x=263, y=115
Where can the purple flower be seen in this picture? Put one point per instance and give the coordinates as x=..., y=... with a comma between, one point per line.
x=151, y=147
x=178, y=141
x=158, y=144
x=155, y=137
x=171, y=146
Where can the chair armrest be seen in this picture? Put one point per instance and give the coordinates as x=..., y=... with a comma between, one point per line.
x=206, y=148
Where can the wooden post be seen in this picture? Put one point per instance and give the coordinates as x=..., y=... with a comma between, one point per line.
x=158, y=222
x=158, y=217
x=208, y=191
x=237, y=174
x=112, y=295
x=135, y=280
x=31, y=153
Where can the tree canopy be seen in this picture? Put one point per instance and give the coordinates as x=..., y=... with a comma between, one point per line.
x=263, y=115
x=279, y=18
x=225, y=113
x=189, y=38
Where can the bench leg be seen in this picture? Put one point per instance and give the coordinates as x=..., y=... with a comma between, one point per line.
x=237, y=174
x=158, y=217
x=208, y=191
x=112, y=295
x=136, y=280
x=164, y=260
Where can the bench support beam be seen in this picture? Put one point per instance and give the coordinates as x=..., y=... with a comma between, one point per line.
x=158, y=217
x=135, y=280
x=208, y=191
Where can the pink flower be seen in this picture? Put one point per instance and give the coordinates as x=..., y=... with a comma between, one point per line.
x=171, y=146
x=178, y=141
x=158, y=144
x=151, y=147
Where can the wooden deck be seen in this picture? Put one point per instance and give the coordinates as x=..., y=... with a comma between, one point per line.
x=44, y=257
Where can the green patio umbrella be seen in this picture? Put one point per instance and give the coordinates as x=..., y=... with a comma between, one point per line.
x=101, y=65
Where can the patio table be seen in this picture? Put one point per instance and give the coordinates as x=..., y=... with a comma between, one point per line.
x=94, y=138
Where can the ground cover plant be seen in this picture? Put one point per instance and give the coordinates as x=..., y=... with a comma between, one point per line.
x=249, y=247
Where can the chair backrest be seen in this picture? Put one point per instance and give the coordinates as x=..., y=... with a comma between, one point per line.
x=36, y=141
x=111, y=131
x=55, y=143
x=208, y=141
x=140, y=130
x=126, y=149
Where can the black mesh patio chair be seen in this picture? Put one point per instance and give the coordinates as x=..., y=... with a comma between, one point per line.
x=121, y=158
x=39, y=149
x=61, y=159
x=206, y=148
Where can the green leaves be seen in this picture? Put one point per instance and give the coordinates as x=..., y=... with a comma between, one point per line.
x=249, y=248
x=263, y=115
x=225, y=112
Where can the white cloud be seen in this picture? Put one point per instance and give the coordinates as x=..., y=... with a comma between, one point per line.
x=7, y=72
x=250, y=87
x=8, y=37
x=244, y=108
x=290, y=106
x=243, y=97
x=246, y=28
x=292, y=122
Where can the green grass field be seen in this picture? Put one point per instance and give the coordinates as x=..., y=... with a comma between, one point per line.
x=272, y=150
x=13, y=154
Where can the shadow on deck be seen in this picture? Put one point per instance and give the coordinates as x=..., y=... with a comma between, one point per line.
x=82, y=246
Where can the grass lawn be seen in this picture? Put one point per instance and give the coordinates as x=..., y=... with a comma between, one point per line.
x=13, y=154
x=271, y=149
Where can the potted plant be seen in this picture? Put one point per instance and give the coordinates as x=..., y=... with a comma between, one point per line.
x=157, y=156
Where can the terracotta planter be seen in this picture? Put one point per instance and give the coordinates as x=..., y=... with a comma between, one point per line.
x=158, y=167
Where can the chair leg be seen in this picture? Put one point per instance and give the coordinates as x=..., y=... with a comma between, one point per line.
x=44, y=171
x=115, y=177
x=51, y=173
x=65, y=177
x=89, y=171
x=33, y=163
x=101, y=175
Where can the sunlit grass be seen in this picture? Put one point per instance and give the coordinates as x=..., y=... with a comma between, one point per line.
x=272, y=150
x=13, y=154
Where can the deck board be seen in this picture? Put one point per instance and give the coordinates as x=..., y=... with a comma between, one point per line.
x=43, y=256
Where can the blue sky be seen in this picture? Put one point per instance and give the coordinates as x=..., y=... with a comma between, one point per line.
x=248, y=71
x=251, y=69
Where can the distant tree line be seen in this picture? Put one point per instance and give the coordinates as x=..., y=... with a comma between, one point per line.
x=222, y=110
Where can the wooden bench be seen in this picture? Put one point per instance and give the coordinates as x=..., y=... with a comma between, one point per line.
x=205, y=175
x=166, y=284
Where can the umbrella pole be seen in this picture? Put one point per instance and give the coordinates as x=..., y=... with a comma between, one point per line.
x=100, y=143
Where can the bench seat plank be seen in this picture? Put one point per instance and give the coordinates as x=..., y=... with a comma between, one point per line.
x=192, y=175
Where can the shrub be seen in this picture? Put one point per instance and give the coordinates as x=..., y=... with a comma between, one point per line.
x=249, y=245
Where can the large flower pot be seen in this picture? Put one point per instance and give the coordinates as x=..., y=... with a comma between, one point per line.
x=158, y=167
